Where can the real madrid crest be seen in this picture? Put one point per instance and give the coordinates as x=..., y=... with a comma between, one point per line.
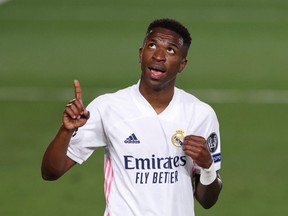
x=178, y=138
x=212, y=142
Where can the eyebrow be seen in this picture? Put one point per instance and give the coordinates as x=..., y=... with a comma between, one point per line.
x=169, y=43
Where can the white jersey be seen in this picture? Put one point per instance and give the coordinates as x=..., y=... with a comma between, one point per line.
x=146, y=171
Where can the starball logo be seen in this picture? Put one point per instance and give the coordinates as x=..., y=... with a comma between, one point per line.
x=155, y=170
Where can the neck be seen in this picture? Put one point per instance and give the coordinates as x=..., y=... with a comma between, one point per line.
x=158, y=99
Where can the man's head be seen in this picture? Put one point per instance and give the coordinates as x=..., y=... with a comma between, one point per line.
x=163, y=54
x=172, y=25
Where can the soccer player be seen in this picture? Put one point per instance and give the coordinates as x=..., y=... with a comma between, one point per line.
x=162, y=146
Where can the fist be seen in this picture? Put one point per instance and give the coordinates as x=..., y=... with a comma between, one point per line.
x=196, y=148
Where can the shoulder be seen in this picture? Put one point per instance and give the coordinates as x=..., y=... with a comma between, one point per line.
x=191, y=101
x=117, y=97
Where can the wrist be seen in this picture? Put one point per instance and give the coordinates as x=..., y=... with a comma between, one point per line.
x=208, y=175
x=67, y=130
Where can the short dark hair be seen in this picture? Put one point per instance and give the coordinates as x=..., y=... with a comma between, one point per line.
x=172, y=25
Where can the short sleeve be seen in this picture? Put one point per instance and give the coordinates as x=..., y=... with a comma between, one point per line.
x=88, y=137
x=211, y=132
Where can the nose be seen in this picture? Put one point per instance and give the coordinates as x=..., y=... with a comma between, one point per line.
x=159, y=55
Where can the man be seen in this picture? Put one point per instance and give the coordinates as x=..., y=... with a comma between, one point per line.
x=162, y=145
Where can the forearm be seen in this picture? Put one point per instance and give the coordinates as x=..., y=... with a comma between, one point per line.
x=55, y=163
x=207, y=195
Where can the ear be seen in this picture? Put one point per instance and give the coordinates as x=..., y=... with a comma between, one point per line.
x=182, y=64
x=140, y=54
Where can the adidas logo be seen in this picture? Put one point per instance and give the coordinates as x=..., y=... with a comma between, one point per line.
x=132, y=139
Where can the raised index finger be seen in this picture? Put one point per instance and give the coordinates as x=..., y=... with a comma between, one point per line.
x=77, y=89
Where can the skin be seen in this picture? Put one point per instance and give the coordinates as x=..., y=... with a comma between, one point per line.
x=162, y=57
x=196, y=148
x=162, y=52
x=55, y=161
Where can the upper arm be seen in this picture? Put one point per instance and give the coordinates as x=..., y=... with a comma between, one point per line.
x=69, y=164
x=54, y=174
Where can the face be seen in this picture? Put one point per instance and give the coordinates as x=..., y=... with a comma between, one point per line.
x=162, y=57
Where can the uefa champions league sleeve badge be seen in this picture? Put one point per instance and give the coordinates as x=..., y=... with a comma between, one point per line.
x=212, y=142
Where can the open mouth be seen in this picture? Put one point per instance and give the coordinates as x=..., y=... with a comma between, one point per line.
x=156, y=73
x=157, y=70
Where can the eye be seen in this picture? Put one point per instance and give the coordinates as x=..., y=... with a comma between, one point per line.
x=170, y=50
x=151, y=45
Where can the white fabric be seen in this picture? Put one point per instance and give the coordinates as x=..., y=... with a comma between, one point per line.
x=145, y=173
x=208, y=175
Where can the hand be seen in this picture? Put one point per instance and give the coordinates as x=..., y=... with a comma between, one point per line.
x=75, y=115
x=197, y=149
